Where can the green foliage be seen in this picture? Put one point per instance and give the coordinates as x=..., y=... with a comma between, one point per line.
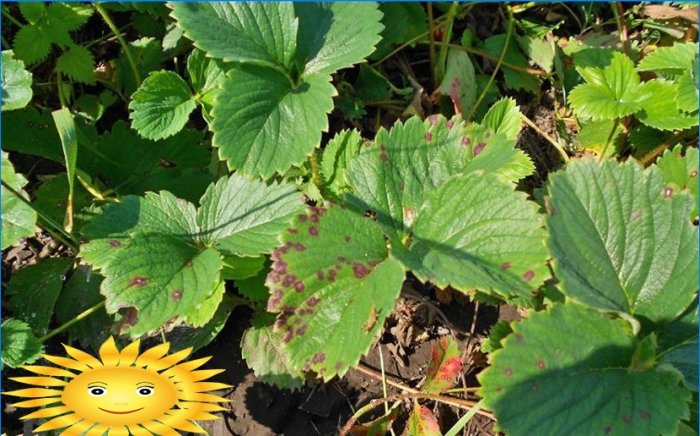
x=16, y=83
x=18, y=218
x=586, y=355
x=19, y=345
x=680, y=172
x=283, y=56
x=185, y=277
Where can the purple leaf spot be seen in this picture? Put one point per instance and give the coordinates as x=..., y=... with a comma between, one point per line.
x=138, y=281
x=359, y=270
x=466, y=141
x=299, y=286
x=505, y=266
x=301, y=330
x=289, y=280
x=479, y=148
x=313, y=231
x=189, y=264
x=508, y=372
x=384, y=157
x=288, y=337
x=299, y=246
x=540, y=364
x=319, y=274
x=114, y=243
x=318, y=358
x=303, y=218
x=313, y=218
x=293, y=230
x=450, y=124
x=312, y=301
x=668, y=192
x=529, y=275
x=428, y=136
x=433, y=119
x=176, y=294
x=280, y=267
x=347, y=238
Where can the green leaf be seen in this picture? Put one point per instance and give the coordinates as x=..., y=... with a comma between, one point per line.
x=335, y=35
x=34, y=290
x=421, y=422
x=78, y=63
x=540, y=51
x=681, y=172
x=445, y=364
x=258, y=33
x=504, y=117
x=676, y=59
x=65, y=126
x=381, y=425
x=263, y=352
x=459, y=83
x=515, y=79
x=333, y=286
x=646, y=139
x=161, y=106
x=32, y=12
x=81, y=292
x=264, y=125
x=237, y=268
x=621, y=239
x=16, y=83
x=474, y=231
x=536, y=387
x=687, y=100
x=678, y=343
x=30, y=131
x=594, y=135
x=19, y=345
x=52, y=196
x=206, y=76
x=403, y=21
x=660, y=109
x=18, y=218
x=612, y=86
x=201, y=314
x=183, y=337
x=336, y=157
x=31, y=44
x=392, y=177
x=253, y=226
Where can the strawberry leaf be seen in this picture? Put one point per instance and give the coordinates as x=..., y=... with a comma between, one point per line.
x=504, y=117
x=335, y=35
x=77, y=63
x=250, y=32
x=611, y=90
x=678, y=346
x=19, y=345
x=336, y=157
x=681, y=172
x=676, y=59
x=459, y=83
x=474, y=231
x=660, y=110
x=421, y=422
x=264, y=124
x=16, y=83
x=621, y=239
x=332, y=286
x=445, y=364
x=263, y=352
x=18, y=218
x=161, y=106
x=34, y=290
x=586, y=356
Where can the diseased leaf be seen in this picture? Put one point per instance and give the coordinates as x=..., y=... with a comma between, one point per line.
x=681, y=172
x=161, y=106
x=332, y=286
x=474, y=231
x=19, y=345
x=586, y=355
x=248, y=32
x=612, y=87
x=336, y=157
x=183, y=337
x=621, y=239
x=660, y=109
x=444, y=367
x=377, y=427
x=16, y=83
x=18, y=218
x=263, y=352
x=421, y=422
x=459, y=83
x=34, y=290
x=335, y=35
x=676, y=59
x=263, y=124
x=78, y=63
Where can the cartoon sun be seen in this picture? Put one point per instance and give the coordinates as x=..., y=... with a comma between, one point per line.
x=121, y=393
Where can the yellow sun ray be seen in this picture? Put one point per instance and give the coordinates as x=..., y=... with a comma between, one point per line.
x=35, y=403
x=160, y=429
x=49, y=370
x=129, y=354
x=169, y=360
x=138, y=431
x=77, y=429
x=151, y=355
x=82, y=357
x=47, y=413
x=39, y=381
x=58, y=422
x=122, y=393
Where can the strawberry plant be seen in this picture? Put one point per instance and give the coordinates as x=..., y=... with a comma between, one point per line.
x=319, y=183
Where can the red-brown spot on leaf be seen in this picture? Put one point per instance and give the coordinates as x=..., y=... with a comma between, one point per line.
x=668, y=192
x=479, y=148
x=299, y=246
x=293, y=230
x=541, y=364
x=508, y=372
x=505, y=266
x=114, y=243
x=189, y=264
x=299, y=286
x=313, y=231
x=288, y=337
x=428, y=136
x=466, y=141
x=529, y=275
x=359, y=270
x=303, y=218
x=312, y=301
x=138, y=281
x=450, y=124
x=313, y=218
x=645, y=415
x=280, y=267
x=347, y=238
x=433, y=119
x=318, y=358
x=519, y=338
x=319, y=274
x=176, y=294
x=301, y=330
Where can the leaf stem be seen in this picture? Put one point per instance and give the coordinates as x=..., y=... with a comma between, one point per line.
x=129, y=56
x=13, y=20
x=81, y=316
x=456, y=402
x=542, y=133
x=65, y=237
x=509, y=33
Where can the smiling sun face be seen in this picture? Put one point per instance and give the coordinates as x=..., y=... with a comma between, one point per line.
x=122, y=392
